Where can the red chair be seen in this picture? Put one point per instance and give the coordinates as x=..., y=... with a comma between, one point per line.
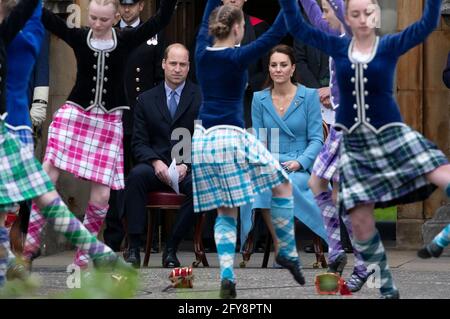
x=166, y=201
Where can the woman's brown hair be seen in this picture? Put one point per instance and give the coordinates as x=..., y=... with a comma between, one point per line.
x=222, y=20
x=284, y=49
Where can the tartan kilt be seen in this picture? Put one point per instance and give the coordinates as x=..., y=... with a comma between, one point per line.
x=25, y=137
x=326, y=164
x=387, y=168
x=21, y=175
x=88, y=145
x=229, y=167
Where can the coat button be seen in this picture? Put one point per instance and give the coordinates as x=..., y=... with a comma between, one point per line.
x=365, y=80
x=94, y=78
x=106, y=67
x=105, y=79
x=107, y=54
x=103, y=103
x=91, y=102
x=368, y=119
x=93, y=90
x=355, y=106
x=352, y=79
x=95, y=54
x=104, y=91
x=354, y=93
x=138, y=69
x=138, y=79
x=366, y=93
x=138, y=89
x=366, y=106
x=365, y=66
x=94, y=66
x=353, y=66
x=356, y=119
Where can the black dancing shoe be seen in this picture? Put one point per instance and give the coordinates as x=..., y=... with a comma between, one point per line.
x=293, y=266
x=227, y=289
x=337, y=266
x=430, y=250
x=356, y=281
x=392, y=295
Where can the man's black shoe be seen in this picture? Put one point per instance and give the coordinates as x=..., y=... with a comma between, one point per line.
x=169, y=258
x=134, y=257
x=227, y=289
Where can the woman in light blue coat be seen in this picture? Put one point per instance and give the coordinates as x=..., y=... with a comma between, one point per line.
x=287, y=117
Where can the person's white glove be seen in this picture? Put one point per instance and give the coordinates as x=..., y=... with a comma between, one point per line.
x=38, y=110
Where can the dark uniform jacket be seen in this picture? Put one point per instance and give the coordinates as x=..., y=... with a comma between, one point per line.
x=143, y=71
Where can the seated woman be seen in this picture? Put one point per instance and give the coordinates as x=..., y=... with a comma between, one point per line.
x=288, y=114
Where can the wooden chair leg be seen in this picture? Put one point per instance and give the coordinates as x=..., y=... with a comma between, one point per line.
x=267, y=251
x=148, y=246
x=249, y=244
x=16, y=236
x=200, y=256
x=318, y=249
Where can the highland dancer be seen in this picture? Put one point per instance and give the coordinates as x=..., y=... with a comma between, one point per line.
x=383, y=162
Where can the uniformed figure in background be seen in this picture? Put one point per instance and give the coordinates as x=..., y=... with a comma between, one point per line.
x=142, y=73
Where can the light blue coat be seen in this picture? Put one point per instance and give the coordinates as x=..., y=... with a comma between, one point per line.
x=300, y=137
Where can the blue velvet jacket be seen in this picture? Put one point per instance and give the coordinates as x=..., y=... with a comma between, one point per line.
x=9, y=28
x=366, y=89
x=222, y=72
x=22, y=54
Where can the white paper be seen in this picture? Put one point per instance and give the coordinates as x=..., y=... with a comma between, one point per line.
x=174, y=176
x=328, y=115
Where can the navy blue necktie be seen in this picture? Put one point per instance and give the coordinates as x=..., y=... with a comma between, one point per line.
x=172, y=103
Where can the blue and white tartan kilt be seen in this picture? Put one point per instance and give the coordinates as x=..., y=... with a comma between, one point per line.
x=387, y=168
x=326, y=164
x=21, y=175
x=229, y=167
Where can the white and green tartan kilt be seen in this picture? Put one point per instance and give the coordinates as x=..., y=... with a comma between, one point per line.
x=387, y=168
x=21, y=175
x=229, y=167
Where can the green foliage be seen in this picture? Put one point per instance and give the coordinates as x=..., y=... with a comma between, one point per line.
x=100, y=285
x=386, y=214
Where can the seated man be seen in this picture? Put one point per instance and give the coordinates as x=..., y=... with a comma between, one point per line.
x=173, y=104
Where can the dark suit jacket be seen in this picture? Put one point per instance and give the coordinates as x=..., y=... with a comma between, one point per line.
x=153, y=125
x=143, y=72
x=312, y=65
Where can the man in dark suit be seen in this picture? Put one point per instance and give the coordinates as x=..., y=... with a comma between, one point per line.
x=168, y=109
x=142, y=73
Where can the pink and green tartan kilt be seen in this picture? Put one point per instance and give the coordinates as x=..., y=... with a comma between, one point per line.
x=88, y=145
x=326, y=164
